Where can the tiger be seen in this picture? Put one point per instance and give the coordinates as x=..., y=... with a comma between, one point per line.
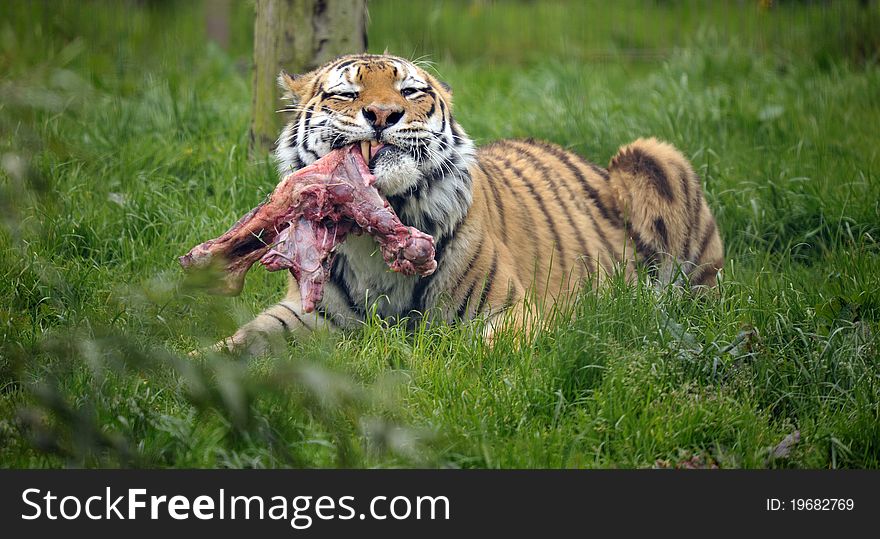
x=512, y=220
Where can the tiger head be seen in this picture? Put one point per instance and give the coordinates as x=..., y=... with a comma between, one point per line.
x=401, y=116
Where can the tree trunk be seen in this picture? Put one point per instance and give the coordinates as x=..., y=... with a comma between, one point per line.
x=297, y=35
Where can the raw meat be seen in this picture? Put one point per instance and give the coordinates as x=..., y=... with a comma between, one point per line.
x=308, y=214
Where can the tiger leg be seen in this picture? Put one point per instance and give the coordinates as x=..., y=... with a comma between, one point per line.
x=272, y=325
x=523, y=313
x=661, y=200
x=520, y=321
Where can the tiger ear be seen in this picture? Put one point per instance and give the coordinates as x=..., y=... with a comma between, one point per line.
x=293, y=85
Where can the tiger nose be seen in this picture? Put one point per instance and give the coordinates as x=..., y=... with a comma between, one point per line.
x=382, y=116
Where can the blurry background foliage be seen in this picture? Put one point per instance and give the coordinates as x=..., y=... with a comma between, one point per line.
x=123, y=136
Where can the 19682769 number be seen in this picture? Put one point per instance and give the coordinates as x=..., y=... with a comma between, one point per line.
x=822, y=504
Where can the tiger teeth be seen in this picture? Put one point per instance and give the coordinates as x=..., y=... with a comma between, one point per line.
x=365, y=150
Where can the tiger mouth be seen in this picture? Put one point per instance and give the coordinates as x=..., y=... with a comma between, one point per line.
x=369, y=149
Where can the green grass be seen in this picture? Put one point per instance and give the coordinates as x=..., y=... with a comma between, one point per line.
x=123, y=143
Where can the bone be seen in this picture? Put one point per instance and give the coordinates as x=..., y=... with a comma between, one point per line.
x=308, y=214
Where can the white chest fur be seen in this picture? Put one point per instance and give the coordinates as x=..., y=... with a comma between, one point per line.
x=370, y=279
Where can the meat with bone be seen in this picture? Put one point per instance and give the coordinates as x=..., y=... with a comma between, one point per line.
x=308, y=214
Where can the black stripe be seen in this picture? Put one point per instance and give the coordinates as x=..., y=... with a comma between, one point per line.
x=417, y=300
x=294, y=314
x=344, y=61
x=338, y=279
x=637, y=162
x=308, y=117
x=473, y=259
x=642, y=248
x=456, y=130
x=429, y=225
x=316, y=82
x=470, y=263
x=487, y=161
x=442, y=142
x=660, y=228
x=591, y=192
x=292, y=143
x=397, y=202
x=511, y=295
x=696, y=220
x=652, y=260
x=462, y=309
x=589, y=164
x=313, y=153
x=426, y=183
x=326, y=316
x=708, y=235
x=546, y=173
x=499, y=206
x=444, y=241
x=540, y=200
x=306, y=127
x=488, y=282
x=283, y=323
x=552, y=186
x=442, y=116
x=343, y=64
x=646, y=251
x=686, y=189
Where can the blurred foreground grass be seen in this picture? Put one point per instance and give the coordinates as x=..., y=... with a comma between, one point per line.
x=123, y=143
